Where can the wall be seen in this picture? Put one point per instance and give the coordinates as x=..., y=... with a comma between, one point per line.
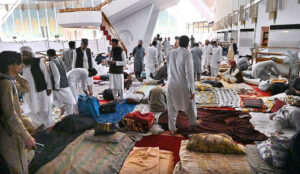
x=288, y=15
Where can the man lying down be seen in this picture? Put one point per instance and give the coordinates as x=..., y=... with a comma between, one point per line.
x=289, y=115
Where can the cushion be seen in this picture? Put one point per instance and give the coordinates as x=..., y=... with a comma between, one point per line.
x=214, y=143
x=75, y=123
x=280, y=149
x=253, y=103
x=278, y=104
x=264, y=149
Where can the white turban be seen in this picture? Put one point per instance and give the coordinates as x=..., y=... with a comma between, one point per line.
x=27, y=49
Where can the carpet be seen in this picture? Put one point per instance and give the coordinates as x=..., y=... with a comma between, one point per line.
x=169, y=143
x=54, y=142
x=233, y=123
x=121, y=111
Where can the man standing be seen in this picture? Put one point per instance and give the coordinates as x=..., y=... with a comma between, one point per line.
x=138, y=53
x=15, y=140
x=167, y=46
x=207, y=54
x=38, y=100
x=68, y=56
x=197, y=53
x=151, y=61
x=216, y=59
x=82, y=57
x=181, y=87
x=233, y=51
x=116, y=75
x=62, y=94
x=160, y=52
x=80, y=76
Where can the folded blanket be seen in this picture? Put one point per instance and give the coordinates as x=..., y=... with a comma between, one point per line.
x=148, y=160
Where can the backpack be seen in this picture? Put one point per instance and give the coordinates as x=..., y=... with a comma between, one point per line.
x=108, y=95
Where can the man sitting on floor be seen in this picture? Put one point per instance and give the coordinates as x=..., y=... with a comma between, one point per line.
x=289, y=115
x=233, y=75
x=158, y=100
x=162, y=73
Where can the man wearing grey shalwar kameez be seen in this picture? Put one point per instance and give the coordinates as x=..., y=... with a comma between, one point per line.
x=138, y=54
x=197, y=53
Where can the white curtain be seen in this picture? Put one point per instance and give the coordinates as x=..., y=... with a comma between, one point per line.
x=229, y=20
x=253, y=10
x=272, y=6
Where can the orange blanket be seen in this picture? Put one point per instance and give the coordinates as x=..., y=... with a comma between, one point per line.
x=148, y=160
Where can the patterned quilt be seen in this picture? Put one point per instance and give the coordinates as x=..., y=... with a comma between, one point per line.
x=227, y=98
x=206, y=99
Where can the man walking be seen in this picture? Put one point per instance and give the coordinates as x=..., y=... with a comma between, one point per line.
x=216, y=59
x=68, y=56
x=181, y=87
x=151, y=61
x=197, y=53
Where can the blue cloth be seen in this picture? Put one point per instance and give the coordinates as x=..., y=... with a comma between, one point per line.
x=121, y=111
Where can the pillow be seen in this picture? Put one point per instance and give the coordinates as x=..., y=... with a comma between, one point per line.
x=214, y=143
x=75, y=123
x=264, y=149
x=278, y=104
x=280, y=149
x=135, y=97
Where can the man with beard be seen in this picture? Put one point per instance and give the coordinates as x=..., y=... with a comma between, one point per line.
x=138, y=53
x=116, y=64
x=38, y=100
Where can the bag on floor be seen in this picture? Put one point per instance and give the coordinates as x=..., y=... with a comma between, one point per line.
x=108, y=95
x=107, y=108
x=278, y=88
x=143, y=75
x=264, y=85
x=88, y=106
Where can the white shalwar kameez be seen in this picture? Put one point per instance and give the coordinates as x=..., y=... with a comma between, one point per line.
x=160, y=53
x=214, y=63
x=75, y=77
x=85, y=63
x=207, y=51
x=151, y=60
x=63, y=97
x=38, y=102
x=116, y=81
x=180, y=86
x=167, y=47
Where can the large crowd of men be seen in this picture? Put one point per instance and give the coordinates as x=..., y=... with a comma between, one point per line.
x=41, y=83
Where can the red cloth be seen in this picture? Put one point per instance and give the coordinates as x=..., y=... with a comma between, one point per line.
x=96, y=78
x=147, y=118
x=278, y=105
x=164, y=142
x=217, y=121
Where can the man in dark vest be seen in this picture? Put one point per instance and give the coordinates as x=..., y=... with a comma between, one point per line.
x=82, y=57
x=116, y=64
x=62, y=94
x=234, y=74
x=38, y=78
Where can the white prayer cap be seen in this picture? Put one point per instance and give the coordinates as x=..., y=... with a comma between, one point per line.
x=26, y=48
